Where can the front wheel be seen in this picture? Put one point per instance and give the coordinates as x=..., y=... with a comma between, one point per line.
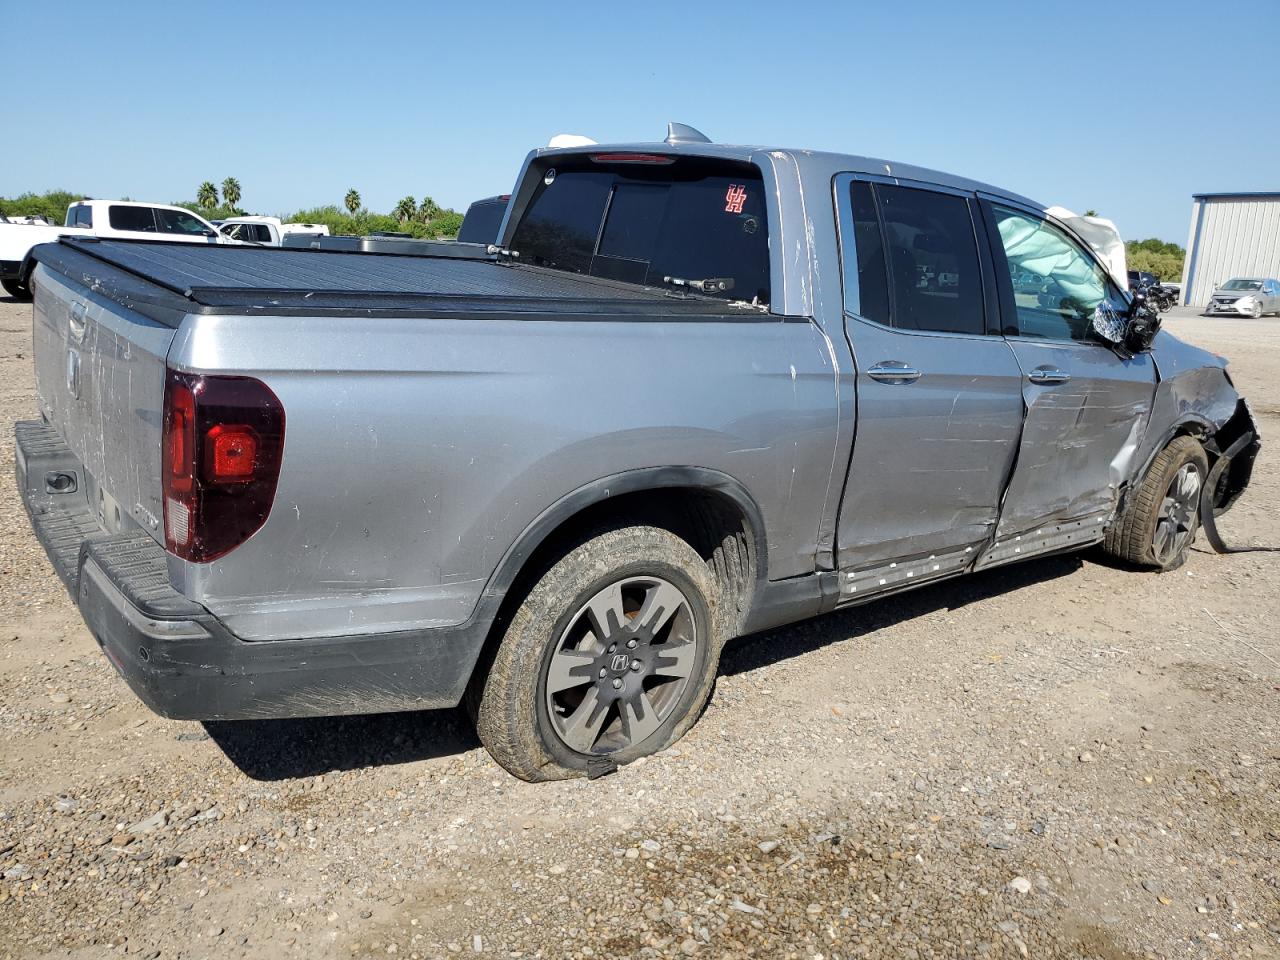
x=610, y=657
x=1162, y=513
x=1256, y=312
x=16, y=289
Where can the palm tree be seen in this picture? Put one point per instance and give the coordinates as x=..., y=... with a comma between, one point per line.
x=428, y=210
x=352, y=200
x=231, y=191
x=207, y=195
x=405, y=210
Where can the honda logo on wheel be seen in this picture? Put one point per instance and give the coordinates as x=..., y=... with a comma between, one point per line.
x=619, y=662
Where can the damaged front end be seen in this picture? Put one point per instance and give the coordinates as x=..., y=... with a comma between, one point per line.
x=1232, y=451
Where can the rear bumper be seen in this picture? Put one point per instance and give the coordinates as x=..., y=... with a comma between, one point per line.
x=182, y=662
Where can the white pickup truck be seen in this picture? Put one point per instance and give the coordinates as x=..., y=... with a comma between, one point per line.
x=121, y=219
x=268, y=231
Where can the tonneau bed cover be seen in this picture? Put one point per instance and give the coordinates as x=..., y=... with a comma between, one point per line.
x=167, y=280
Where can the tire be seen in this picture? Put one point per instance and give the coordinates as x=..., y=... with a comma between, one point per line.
x=1256, y=313
x=1161, y=515
x=557, y=699
x=15, y=289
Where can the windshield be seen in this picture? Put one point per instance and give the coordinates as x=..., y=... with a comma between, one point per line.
x=1239, y=284
x=661, y=221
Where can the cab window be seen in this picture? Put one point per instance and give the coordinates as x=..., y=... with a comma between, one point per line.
x=916, y=259
x=179, y=221
x=137, y=219
x=1057, y=287
x=671, y=222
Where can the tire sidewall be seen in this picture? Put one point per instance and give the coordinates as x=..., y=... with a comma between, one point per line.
x=691, y=698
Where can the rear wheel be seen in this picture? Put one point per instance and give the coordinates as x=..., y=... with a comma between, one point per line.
x=16, y=289
x=1162, y=514
x=610, y=657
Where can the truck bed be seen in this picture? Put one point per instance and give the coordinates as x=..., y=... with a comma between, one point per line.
x=168, y=280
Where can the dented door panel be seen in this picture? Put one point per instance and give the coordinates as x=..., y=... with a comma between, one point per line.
x=1081, y=436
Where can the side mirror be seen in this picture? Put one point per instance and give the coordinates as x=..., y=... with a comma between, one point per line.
x=1143, y=323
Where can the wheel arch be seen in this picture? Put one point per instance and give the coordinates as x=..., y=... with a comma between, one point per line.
x=711, y=509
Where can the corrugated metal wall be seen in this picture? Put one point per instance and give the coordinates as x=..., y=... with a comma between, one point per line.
x=1230, y=237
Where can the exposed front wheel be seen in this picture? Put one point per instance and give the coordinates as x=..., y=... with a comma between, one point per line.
x=1162, y=513
x=15, y=289
x=610, y=657
x=1256, y=312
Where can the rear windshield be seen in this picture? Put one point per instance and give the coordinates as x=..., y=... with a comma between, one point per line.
x=667, y=223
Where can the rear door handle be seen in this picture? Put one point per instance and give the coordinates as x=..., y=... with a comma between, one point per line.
x=1048, y=375
x=893, y=371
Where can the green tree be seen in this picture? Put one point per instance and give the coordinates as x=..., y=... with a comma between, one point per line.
x=1091, y=212
x=405, y=210
x=231, y=191
x=207, y=195
x=428, y=210
x=352, y=200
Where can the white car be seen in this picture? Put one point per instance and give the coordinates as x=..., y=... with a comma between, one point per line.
x=268, y=231
x=120, y=219
x=1245, y=297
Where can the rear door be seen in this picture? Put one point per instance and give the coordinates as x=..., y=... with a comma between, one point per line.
x=939, y=404
x=1086, y=406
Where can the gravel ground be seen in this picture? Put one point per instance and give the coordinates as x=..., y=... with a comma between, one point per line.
x=1057, y=759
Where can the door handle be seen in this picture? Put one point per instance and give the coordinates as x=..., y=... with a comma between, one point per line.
x=75, y=320
x=893, y=371
x=1048, y=375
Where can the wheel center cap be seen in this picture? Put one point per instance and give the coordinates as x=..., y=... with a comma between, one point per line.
x=620, y=663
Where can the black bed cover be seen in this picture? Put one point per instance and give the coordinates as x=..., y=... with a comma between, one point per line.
x=168, y=280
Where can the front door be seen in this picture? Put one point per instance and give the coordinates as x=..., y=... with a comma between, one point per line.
x=1086, y=407
x=939, y=395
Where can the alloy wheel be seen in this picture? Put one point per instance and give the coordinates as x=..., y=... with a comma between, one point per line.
x=621, y=666
x=1176, y=519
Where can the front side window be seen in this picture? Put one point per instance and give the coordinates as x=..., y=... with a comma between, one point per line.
x=179, y=221
x=917, y=259
x=1058, y=289
x=138, y=219
x=658, y=221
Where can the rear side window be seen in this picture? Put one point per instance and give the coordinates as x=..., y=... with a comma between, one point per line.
x=131, y=218
x=662, y=222
x=81, y=215
x=917, y=259
x=179, y=221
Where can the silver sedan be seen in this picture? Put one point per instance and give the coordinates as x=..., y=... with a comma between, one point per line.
x=1245, y=297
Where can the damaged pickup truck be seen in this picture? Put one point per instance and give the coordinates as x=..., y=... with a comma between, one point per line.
x=697, y=391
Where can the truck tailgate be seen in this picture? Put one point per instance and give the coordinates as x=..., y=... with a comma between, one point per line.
x=100, y=373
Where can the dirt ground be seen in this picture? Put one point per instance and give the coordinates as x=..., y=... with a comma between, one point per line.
x=1058, y=759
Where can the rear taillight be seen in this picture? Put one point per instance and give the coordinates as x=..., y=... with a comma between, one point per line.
x=222, y=447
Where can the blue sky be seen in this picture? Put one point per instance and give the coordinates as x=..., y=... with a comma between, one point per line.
x=301, y=101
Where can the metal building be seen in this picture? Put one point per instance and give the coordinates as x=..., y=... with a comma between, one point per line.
x=1232, y=235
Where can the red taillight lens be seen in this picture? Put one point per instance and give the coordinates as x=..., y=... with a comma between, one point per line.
x=223, y=444
x=230, y=453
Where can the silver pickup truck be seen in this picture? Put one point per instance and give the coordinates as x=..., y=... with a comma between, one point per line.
x=696, y=391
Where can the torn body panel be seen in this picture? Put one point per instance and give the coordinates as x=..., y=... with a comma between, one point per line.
x=1081, y=436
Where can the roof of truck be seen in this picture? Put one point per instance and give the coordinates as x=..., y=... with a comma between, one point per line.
x=812, y=162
